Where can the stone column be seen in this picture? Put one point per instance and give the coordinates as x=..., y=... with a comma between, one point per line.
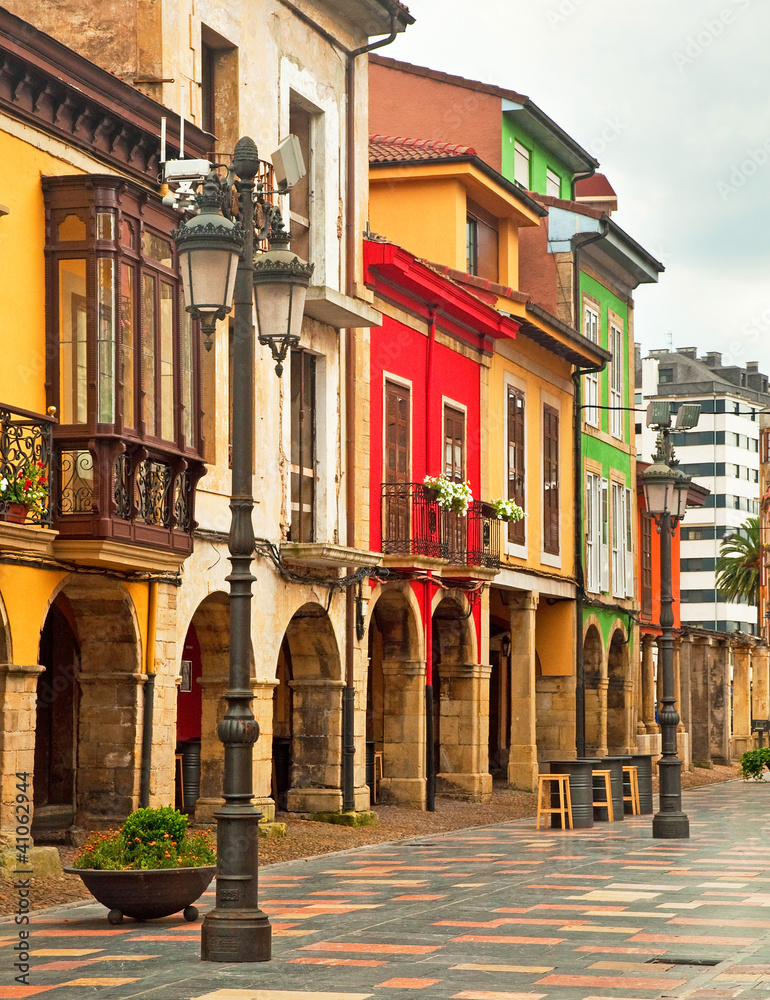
x=682, y=736
x=685, y=686
x=760, y=661
x=464, y=731
x=18, y=691
x=602, y=688
x=719, y=702
x=109, y=747
x=262, y=706
x=213, y=708
x=316, y=751
x=741, y=735
x=700, y=685
x=522, y=759
x=403, y=746
x=166, y=670
x=648, y=686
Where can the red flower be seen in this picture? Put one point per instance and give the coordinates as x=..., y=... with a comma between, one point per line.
x=27, y=484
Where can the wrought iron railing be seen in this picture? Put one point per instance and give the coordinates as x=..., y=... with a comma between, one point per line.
x=413, y=523
x=26, y=438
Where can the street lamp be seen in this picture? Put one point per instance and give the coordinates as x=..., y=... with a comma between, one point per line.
x=236, y=930
x=665, y=494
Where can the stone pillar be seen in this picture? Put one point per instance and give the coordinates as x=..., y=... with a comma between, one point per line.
x=403, y=746
x=719, y=702
x=648, y=686
x=602, y=688
x=18, y=691
x=316, y=752
x=760, y=662
x=361, y=792
x=685, y=685
x=463, y=765
x=682, y=736
x=166, y=670
x=109, y=747
x=522, y=759
x=741, y=715
x=700, y=684
x=213, y=708
x=262, y=706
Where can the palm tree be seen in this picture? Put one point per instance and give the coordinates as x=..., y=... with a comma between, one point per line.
x=737, y=568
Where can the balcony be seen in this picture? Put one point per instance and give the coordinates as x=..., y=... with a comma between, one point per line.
x=25, y=438
x=123, y=494
x=417, y=531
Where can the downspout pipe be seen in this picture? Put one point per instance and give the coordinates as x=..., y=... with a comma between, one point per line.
x=351, y=248
x=430, y=694
x=577, y=451
x=148, y=701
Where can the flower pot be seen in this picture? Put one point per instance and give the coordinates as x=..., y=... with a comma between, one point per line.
x=16, y=513
x=147, y=894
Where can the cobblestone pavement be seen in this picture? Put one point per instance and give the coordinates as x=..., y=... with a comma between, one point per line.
x=494, y=913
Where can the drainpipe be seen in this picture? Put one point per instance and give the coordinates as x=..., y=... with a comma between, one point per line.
x=430, y=735
x=577, y=451
x=351, y=246
x=149, y=698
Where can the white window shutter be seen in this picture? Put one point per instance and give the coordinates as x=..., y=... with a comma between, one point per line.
x=630, y=518
x=605, y=536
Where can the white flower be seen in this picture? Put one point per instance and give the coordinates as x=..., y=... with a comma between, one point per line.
x=3, y=485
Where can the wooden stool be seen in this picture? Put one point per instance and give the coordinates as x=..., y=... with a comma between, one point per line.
x=631, y=771
x=377, y=775
x=544, y=808
x=605, y=803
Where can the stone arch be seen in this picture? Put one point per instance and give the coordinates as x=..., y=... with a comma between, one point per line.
x=106, y=666
x=460, y=702
x=619, y=693
x=595, y=672
x=315, y=668
x=207, y=645
x=395, y=700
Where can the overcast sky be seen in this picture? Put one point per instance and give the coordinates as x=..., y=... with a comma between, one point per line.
x=673, y=99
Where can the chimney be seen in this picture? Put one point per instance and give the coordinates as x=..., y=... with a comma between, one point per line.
x=752, y=366
x=713, y=359
x=689, y=352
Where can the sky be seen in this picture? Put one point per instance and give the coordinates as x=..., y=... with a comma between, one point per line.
x=673, y=99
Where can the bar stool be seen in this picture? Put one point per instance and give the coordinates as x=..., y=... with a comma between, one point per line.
x=631, y=772
x=544, y=808
x=606, y=802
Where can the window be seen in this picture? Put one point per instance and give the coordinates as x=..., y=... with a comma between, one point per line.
x=306, y=123
x=219, y=88
x=521, y=157
x=126, y=365
x=454, y=444
x=550, y=480
x=605, y=536
x=630, y=509
x=303, y=453
x=645, y=544
x=591, y=381
x=552, y=183
x=471, y=245
x=665, y=375
x=516, y=467
x=593, y=576
x=616, y=381
x=397, y=433
x=618, y=540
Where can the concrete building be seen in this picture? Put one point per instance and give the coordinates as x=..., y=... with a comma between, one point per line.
x=722, y=454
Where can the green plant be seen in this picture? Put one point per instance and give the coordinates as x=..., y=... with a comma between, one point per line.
x=150, y=838
x=508, y=510
x=737, y=568
x=28, y=486
x=450, y=495
x=754, y=762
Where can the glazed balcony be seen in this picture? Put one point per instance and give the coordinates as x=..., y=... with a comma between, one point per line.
x=416, y=529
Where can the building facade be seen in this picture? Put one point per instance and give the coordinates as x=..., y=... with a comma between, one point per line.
x=721, y=454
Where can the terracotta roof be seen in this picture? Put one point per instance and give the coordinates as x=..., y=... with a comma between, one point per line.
x=594, y=187
x=390, y=148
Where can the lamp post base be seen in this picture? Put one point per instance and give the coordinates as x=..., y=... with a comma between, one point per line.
x=236, y=936
x=671, y=826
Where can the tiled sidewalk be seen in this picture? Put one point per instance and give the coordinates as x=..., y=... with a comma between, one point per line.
x=498, y=913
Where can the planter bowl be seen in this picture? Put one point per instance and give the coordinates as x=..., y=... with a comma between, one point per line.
x=147, y=894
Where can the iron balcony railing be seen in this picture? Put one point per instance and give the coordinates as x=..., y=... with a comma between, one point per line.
x=413, y=523
x=26, y=439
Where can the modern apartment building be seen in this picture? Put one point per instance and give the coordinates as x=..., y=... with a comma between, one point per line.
x=722, y=454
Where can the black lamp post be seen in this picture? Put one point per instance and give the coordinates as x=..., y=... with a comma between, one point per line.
x=665, y=493
x=236, y=930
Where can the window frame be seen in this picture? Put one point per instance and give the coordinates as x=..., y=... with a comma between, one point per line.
x=550, y=467
x=592, y=311
x=616, y=380
x=520, y=150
